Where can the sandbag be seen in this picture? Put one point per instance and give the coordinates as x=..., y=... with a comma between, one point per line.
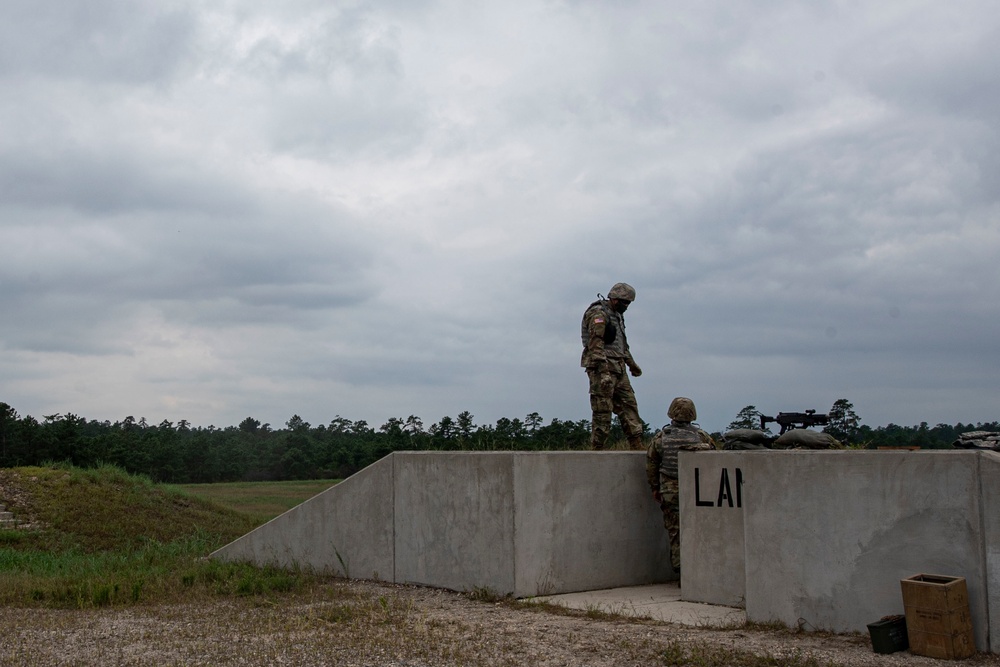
x=748, y=435
x=803, y=438
x=739, y=445
x=746, y=438
x=978, y=440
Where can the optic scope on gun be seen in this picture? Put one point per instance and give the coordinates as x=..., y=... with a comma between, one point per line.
x=790, y=420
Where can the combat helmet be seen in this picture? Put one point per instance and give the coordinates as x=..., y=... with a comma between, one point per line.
x=682, y=409
x=622, y=291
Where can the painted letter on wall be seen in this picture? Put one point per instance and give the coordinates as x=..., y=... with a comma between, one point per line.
x=726, y=494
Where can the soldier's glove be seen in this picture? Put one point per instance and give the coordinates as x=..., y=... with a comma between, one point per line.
x=634, y=368
x=657, y=497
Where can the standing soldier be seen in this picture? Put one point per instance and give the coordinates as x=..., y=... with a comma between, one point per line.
x=605, y=356
x=661, y=466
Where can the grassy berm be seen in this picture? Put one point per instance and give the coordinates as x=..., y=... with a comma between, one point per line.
x=93, y=538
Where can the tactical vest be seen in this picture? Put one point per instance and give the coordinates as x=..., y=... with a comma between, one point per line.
x=614, y=330
x=671, y=439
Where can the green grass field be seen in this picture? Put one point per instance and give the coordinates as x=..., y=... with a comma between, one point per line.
x=261, y=500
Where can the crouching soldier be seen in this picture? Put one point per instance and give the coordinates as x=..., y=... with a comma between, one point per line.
x=661, y=466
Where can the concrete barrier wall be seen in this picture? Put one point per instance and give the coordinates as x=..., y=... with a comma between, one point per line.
x=989, y=490
x=828, y=535
x=455, y=520
x=712, y=533
x=521, y=523
x=586, y=521
x=818, y=539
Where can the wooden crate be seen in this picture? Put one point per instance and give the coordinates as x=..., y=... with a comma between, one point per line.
x=938, y=622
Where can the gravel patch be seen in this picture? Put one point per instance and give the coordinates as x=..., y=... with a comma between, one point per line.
x=371, y=624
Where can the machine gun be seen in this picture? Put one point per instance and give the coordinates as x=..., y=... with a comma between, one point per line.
x=790, y=420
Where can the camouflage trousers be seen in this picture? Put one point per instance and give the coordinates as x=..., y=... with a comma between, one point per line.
x=611, y=391
x=670, y=505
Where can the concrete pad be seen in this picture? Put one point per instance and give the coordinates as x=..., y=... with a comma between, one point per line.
x=660, y=602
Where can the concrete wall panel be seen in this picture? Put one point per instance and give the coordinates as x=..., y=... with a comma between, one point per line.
x=989, y=476
x=455, y=520
x=829, y=535
x=586, y=521
x=713, y=489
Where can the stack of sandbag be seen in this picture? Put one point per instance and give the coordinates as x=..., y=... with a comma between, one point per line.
x=978, y=440
x=746, y=438
x=803, y=438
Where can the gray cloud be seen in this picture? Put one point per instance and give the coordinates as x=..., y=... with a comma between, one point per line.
x=103, y=184
x=100, y=40
x=394, y=209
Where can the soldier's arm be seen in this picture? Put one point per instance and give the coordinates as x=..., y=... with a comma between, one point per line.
x=596, y=324
x=630, y=362
x=707, y=439
x=654, y=457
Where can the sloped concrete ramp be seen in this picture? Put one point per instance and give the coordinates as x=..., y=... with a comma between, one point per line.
x=520, y=523
x=345, y=530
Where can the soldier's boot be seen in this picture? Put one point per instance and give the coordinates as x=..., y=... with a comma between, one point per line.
x=635, y=442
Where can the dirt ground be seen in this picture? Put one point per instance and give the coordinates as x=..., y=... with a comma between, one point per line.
x=376, y=624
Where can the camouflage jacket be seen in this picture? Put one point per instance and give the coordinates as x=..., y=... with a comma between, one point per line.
x=661, y=456
x=603, y=333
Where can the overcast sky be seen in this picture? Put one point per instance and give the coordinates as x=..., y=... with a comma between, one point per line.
x=215, y=210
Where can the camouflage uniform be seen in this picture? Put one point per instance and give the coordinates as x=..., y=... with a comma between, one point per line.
x=606, y=357
x=661, y=467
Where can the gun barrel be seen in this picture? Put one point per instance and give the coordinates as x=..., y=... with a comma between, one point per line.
x=792, y=420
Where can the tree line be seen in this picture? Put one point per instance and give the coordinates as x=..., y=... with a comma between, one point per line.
x=252, y=451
